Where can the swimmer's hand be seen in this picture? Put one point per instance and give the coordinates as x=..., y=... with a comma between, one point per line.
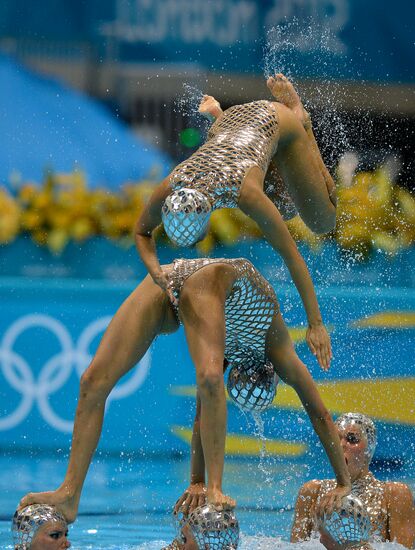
x=219, y=500
x=332, y=501
x=63, y=499
x=194, y=496
x=210, y=108
x=161, y=279
x=318, y=341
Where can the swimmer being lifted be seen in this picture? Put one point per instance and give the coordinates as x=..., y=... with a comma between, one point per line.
x=210, y=295
x=229, y=171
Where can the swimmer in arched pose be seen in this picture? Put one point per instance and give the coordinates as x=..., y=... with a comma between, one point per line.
x=39, y=527
x=227, y=309
x=229, y=171
x=390, y=505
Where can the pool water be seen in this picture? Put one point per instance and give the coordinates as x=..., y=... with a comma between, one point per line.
x=127, y=501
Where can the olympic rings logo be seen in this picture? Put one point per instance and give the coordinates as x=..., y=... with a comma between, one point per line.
x=56, y=370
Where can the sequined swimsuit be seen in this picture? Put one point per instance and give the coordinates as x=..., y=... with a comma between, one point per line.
x=243, y=137
x=249, y=308
x=372, y=494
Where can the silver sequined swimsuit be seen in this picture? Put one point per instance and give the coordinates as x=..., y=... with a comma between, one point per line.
x=244, y=136
x=249, y=308
x=372, y=494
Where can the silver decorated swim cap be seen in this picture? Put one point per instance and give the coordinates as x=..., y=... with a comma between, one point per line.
x=27, y=521
x=185, y=214
x=214, y=529
x=351, y=524
x=252, y=383
x=365, y=424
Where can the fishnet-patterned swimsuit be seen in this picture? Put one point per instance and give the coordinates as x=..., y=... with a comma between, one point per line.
x=244, y=136
x=249, y=308
x=372, y=494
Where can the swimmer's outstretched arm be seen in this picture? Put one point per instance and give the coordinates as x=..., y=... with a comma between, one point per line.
x=145, y=243
x=287, y=364
x=260, y=208
x=195, y=494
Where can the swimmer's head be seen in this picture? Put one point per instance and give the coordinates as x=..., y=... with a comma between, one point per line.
x=350, y=525
x=212, y=528
x=185, y=214
x=252, y=382
x=39, y=527
x=364, y=426
x=206, y=527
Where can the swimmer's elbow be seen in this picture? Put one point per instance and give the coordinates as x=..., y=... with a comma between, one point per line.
x=141, y=230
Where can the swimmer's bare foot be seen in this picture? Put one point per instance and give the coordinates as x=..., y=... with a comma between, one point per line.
x=64, y=502
x=285, y=93
x=219, y=500
x=210, y=108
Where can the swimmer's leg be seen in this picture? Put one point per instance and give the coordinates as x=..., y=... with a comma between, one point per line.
x=202, y=311
x=143, y=315
x=299, y=160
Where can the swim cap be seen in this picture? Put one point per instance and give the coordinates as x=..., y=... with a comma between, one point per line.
x=214, y=529
x=351, y=524
x=366, y=425
x=252, y=382
x=185, y=214
x=27, y=521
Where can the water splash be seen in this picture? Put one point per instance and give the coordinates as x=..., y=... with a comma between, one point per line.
x=259, y=432
x=188, y=102
x=293, y=38
x=188, y=105
x=293, y=43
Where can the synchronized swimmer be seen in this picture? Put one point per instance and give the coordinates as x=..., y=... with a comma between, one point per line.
x=209, y=300
x=390, y=505
x=263, y=158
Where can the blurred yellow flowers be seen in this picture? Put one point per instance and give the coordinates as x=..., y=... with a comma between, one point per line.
x=9, y=218
x=372, y=214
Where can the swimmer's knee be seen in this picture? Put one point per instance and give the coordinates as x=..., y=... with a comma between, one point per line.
x=210, y=380
x=250, y=196
x=93, y=385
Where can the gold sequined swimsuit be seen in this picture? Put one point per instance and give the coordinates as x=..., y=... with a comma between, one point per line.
x=243, y=137
x=372, y=494
x=249, y=308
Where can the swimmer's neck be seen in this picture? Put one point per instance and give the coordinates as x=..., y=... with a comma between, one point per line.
x=355, y=476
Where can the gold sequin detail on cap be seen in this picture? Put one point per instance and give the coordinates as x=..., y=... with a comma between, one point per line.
x=244, y=136
x=249, y=308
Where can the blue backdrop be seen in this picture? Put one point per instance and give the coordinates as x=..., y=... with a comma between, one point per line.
x=50, y=328
x=370, y=40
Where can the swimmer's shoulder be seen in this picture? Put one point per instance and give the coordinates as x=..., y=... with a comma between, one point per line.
x=310, y=489
x=398, y=492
